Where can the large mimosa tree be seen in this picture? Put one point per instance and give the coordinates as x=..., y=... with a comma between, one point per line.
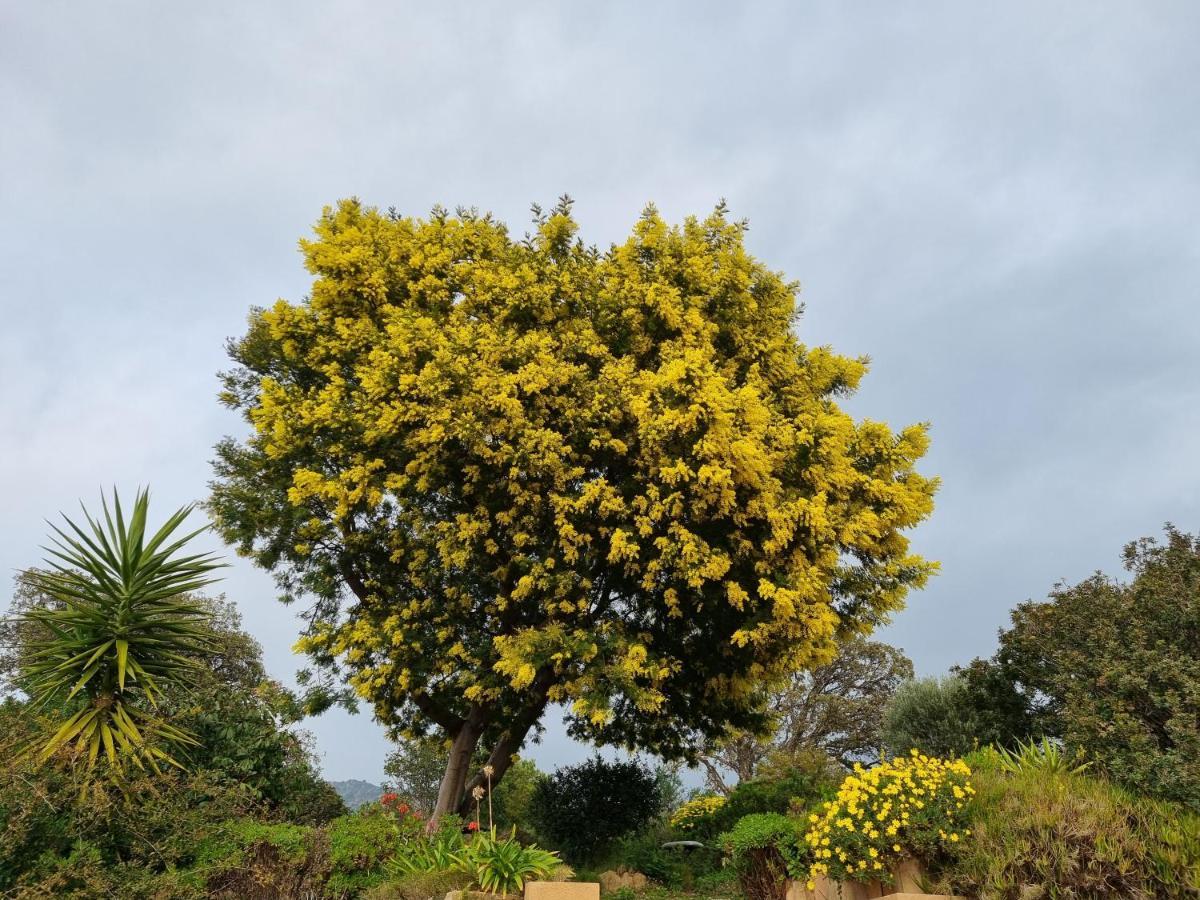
x=512, y=473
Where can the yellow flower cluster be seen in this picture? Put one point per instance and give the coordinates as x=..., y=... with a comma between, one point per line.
x=901, y=807
x=693, y=812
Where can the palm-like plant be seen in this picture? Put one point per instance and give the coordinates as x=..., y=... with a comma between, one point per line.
x=503, y=865
x=121, y=628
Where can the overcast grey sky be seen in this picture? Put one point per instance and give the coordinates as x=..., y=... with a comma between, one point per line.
x=999, y=203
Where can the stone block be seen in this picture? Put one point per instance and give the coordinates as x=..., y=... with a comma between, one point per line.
x=562, y=890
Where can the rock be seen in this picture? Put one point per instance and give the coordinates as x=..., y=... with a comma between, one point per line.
x=614, y=880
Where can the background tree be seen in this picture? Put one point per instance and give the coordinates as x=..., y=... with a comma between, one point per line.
x=516, y=473
x=835, y=709
x=1113, y=668
x=414, y=771
x=583, y=809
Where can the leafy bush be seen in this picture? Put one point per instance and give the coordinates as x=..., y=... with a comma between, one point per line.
x=1071, y=836
x=799, y=789
x=360, y=847
x=512, y=798
x=1111, y=667
x=1043, y=756
x=251, y=860
x=583, y=809
x=933, y=715
x=909, y=806
x=761, y=848
x=695, y=812
x=424, y=854
x=643, y=852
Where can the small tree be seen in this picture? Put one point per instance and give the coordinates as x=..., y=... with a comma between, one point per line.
x=582, y=809
x=118, y=633
x=933, y=715
x=414, y=770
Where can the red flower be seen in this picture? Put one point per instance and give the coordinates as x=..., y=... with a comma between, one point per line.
x=472, y=826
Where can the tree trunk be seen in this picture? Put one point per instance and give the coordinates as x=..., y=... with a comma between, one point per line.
x=450, y=792
x=511, y=739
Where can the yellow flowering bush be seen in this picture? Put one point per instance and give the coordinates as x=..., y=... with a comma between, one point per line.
x=695, y=811
x=905, y=806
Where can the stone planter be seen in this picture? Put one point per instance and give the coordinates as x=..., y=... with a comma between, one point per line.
x=905, y=886
x=562, y=890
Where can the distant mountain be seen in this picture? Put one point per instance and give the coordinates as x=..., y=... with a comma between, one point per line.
x=357, y=793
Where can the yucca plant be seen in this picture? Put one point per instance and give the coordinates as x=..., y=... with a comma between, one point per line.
x=119, y=629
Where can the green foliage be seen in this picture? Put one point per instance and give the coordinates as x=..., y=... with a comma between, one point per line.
x=761, y=848
x=1001, y=711
x=503, y=865
x=582, y=809
x=517, y=472
x=440, y=851
x=643, y=852
x=1044, y=756
x=933, y=715
x=415, y=768
x=262, y=861
x=833, y=711
x=361, y=845
x=238, y=716
x=118, y=634
x=1071, y=836
x=420, y=886
x=512, y=798
x=1112, y=668
x=56, y=822
x=799, y=789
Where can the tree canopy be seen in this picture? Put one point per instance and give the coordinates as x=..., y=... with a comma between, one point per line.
x=510, y=473
x=1113, y=667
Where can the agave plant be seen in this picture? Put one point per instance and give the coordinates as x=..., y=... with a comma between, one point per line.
x=425, y=854
x=1044, y=756
x=503, y=865
x=120, y=628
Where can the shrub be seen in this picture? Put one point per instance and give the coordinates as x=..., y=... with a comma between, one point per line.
x=249, y=859
x=1043, y=756
x=424, y=854
x=933, y=715
x=799, y=789
x=360, y=847
x=695, y=812
x=907, y=806
x=761, y=848
x=1070, y=835
x=643, y=852
x=583, y=809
